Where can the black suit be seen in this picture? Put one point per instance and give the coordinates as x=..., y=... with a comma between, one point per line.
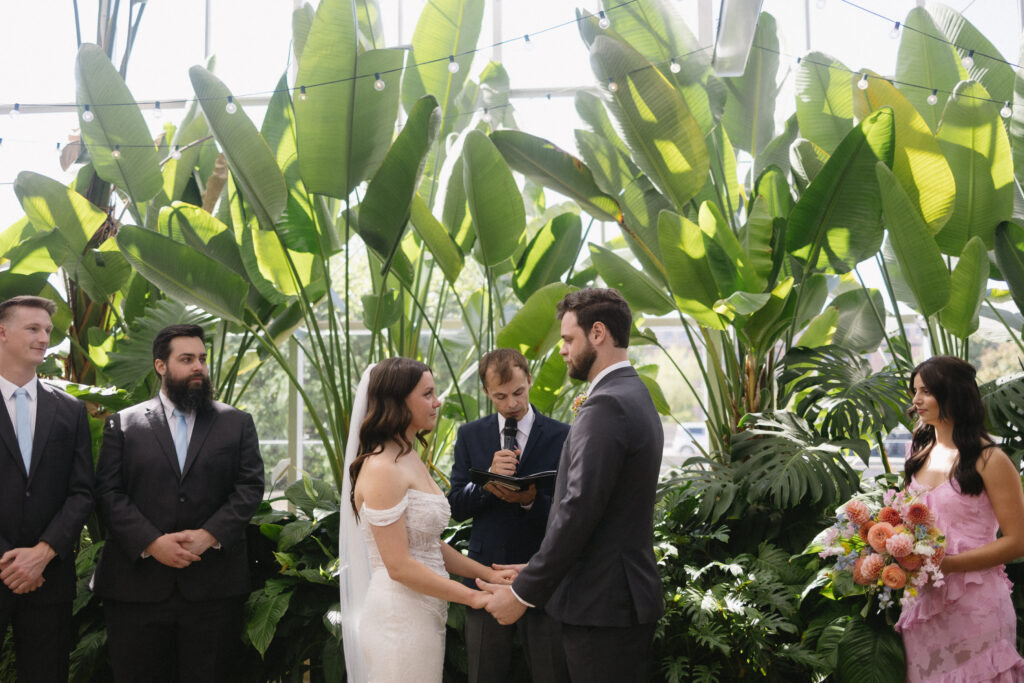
x=505, y=533
x=142, y=495
x=49, y=503
x=595, y=571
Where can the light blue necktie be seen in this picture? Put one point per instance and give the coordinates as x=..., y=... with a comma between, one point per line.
x=180, y=433
x=24, y=424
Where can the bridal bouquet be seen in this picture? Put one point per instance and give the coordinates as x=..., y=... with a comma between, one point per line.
x=889, y=550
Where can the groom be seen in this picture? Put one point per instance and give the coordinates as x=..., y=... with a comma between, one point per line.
x=595, y=571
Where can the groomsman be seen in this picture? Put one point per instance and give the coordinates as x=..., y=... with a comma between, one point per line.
x=507, y=526
x=46, y=483
x=595, y=571
x=178, y=480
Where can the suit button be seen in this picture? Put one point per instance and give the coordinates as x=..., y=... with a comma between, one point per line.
x=28, y=494
x=181, y=499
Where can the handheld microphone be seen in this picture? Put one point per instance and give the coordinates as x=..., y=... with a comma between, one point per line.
x=509, y=434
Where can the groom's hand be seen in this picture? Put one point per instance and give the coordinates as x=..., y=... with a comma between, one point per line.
x=504, y=606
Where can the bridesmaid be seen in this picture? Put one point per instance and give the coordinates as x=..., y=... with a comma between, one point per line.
x=965, y=629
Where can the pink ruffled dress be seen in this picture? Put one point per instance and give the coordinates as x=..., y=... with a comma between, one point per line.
x=965, y=630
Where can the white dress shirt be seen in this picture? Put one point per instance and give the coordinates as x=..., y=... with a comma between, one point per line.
x=7, y=389
x=169, y=408
x=523, y=428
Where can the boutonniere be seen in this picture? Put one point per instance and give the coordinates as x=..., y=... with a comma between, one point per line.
x=577, y=403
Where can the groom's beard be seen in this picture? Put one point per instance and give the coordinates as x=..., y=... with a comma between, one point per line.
x=186, y=396
x=579, y=366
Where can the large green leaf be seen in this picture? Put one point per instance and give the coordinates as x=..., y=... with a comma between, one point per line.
x=687, y=269
x=263, y=612
x=1004, y=405
x=731, y=265
x=534, y=329
x=178, y=172
x=117, y=125
x=776, y=152
x=918, y=162
x=870, y=654
x=384, y=212
x=494, y=199
x=915, y=248
x=550, y=253
x=546, y=164
x=967, y=290
x=1009, y=253
x=50, y=204
x=1017, y=125
x=184, y=273
x=442, y=247
x=750, y=105
x=666, y=142
x=612, y=169
x=764, y=326
x=642, y=293
x=861, y=325
x=995, y=74
x=592, y=111
x=201, y=231
x=375, y=112
x=925, y=64
x=302, y=21
x=251, y=160
x=824, y=100
x=837, y=222
x=974, y=141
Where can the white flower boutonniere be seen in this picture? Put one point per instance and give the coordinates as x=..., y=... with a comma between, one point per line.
x=577, y=403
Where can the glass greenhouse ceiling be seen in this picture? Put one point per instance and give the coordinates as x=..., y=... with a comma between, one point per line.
x=251, y=41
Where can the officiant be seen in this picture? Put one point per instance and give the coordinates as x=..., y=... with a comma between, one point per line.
x=508, y=526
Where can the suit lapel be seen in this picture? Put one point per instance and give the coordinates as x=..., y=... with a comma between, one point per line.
x=9, y=438
x=46, y=409
x=162, y=431
x=201, y=429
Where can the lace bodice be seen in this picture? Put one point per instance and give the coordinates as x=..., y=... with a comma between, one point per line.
x=426, y=515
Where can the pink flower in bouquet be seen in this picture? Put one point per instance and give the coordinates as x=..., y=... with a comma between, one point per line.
x=936, y=559
x=872, y=567
x=899, y=545
x=894, y=577
x=918, y=513
x=858, y=576
x=864, y=529
x=890, y=515
x=879, y=534
x=911, y=562
x=858, y=512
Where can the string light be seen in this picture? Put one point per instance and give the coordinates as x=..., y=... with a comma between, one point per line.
x=176, y=153
x=302, y=93
x=612, y=85
x=603, y=21
x=87, y=115
x=16, y=110
x=378, y=82
x=527, y=41
x=486, y=117
x=231, y=107
x=895, y=32
x=933, y=99
x=117, y=152
x=157, y=113
x=863, y=82
x=968, y=60
x=674, y=66
x=453, y=66
x=1006, y=111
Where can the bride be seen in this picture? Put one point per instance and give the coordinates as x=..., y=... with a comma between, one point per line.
x=394, y=565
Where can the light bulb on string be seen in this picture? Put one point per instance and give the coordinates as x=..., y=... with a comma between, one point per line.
x=87, y=115
x=117, y=152
x=156, y=110
x=58, y=146
x=674, y=66
x=15, y=111
x=933, y=99
x=302, y=93
x=527, y=41
x=603, y=20
x=1006, y=111
x=453, y=66
x=378, y=82
x=968, y=60
x=895, y=32
x=231, y=107
x=486, y=116
x=863, y=82
x=176, y=153
x=612, y=85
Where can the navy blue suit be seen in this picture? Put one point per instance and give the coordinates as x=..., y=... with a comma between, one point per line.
x=505, y=533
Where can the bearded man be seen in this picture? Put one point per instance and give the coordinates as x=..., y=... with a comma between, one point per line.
x=178, y=480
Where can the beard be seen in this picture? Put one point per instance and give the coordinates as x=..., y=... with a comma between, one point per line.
x=579, y=367
x=186, y=396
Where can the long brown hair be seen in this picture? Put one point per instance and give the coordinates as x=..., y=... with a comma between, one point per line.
x=952, y=382
x=387, y=416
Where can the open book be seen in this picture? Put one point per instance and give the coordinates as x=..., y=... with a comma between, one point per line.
x=541, y=479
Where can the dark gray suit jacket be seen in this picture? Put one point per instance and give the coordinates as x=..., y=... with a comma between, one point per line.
x=596, y=565
x=141, y=495
x=53, y=500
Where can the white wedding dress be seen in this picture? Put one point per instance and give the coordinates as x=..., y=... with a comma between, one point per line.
x=401, y=631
